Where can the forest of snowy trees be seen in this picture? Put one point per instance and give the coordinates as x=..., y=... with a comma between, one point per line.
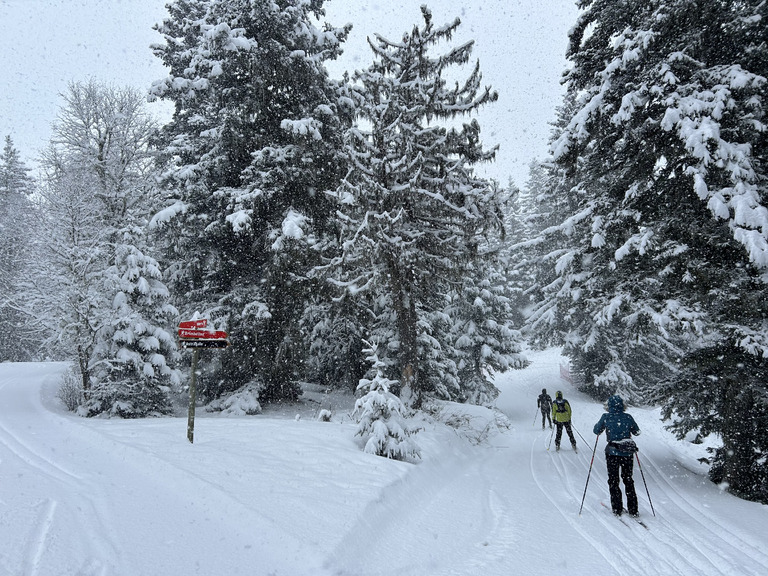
x=338, y=230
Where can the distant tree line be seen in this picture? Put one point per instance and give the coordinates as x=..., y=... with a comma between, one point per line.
x=337, y=229
x=264, y=206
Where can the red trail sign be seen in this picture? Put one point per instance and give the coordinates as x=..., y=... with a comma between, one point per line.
x=205, y=334
x=202, y=323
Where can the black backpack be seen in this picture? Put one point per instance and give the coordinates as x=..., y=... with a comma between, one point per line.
x=560, y=405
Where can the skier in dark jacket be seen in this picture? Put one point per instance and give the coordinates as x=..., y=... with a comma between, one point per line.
x=619, y=428
x=561, y=414
x=544, y=402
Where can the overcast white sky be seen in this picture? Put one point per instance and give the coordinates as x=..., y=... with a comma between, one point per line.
x=521, y=45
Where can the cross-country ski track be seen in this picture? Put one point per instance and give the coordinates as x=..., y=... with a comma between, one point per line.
x=286, y=495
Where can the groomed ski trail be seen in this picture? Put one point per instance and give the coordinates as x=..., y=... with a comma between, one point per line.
x=493, y=503
x=684, y=538
x=88, y=500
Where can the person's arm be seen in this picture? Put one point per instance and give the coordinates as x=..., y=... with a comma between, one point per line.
x=600, y=426
x=634, y=428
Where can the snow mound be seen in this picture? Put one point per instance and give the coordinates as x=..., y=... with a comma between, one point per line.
x=473, y=423
x=244, y=402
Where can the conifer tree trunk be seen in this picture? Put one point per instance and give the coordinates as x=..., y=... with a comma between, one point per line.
x=405, y=309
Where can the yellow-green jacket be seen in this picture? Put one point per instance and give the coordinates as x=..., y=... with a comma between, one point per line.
x=561, y=410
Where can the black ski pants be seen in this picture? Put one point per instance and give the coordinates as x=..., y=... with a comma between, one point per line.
x=545, y=415
x=559, y=434
x=621, y=467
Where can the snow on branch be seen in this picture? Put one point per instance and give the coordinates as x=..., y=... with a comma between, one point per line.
x=167, y=214
x=303, y=127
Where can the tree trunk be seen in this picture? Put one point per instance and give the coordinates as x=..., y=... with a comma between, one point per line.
x=405, y=309
x=85, y=373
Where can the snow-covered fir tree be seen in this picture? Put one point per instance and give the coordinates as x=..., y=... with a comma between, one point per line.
x=485, y=309
x=484, y=342
x=661, y=275
x=18, y=339
x=417, y=220
x=252, y=149
x=382, y=416
x=519, y=223
x=98, y=289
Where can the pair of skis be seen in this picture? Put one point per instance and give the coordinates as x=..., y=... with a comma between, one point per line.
x=621, y=518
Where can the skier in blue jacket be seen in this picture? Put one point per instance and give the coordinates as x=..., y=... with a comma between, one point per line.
x=619, y=428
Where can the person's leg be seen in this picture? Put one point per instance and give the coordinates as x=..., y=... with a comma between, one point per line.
x=613, y=463
x=629, y=484
x=570, y=434
x=544, y=415
x=558, y=434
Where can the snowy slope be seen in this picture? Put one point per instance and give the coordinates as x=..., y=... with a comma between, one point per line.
x=283, y=494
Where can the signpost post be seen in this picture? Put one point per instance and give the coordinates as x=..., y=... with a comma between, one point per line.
x=192, y=400
x=194, y=335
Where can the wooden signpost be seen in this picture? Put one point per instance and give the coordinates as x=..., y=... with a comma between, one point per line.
x=193, y=334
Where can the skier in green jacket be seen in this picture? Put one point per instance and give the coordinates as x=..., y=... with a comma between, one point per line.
x=561, y=414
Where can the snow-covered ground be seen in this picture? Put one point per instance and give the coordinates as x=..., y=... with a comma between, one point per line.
x=286, y=495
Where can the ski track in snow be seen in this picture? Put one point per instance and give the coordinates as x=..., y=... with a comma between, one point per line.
x=681, y=540
x=711, y=532
x=48, y=523
x=627, y=551
x=37, y=541
x=538, y=476
x=506, y=505
x=35, y=459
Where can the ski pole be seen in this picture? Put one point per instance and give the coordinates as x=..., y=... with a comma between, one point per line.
x=534, y=417
x=551, y=434
x=579, y=433
x=589, y=474
x=645, y=483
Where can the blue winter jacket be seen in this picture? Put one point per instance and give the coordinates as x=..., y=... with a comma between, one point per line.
x=618, y=427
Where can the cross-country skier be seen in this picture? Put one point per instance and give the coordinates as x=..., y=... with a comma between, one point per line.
x=561, y=414
x=544, y=402
x=619, y=428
